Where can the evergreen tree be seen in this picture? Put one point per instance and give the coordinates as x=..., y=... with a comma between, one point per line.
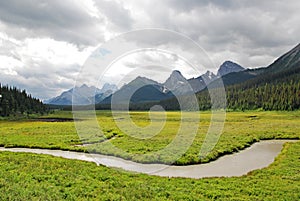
x=14, y=101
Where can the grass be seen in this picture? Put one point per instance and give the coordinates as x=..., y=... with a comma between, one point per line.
x=241, y=129
x=25, y=176
x=41, y=177
x=35, y=134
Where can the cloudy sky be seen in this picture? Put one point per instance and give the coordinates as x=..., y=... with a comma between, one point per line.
x=43, y=44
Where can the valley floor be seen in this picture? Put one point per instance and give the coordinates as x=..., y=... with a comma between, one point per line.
x=40, y=177
x=241, y=129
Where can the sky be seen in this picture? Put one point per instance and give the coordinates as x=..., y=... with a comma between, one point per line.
x=44, y=45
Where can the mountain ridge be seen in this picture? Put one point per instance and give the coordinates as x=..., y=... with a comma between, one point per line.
x=176, y=84
x=82, y=95
x=142, y=89
x=275, y=87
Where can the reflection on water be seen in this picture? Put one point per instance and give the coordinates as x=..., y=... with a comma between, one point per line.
x=259, y=155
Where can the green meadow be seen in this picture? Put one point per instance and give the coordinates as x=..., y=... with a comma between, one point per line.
x=26, y=176
x=41, y=177
x=241, y=129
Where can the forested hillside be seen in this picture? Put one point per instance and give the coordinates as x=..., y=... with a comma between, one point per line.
x=282, y=94
x=268, y=96
x=271, y=91
x=13, y=101
x=274, y=92
x=278, y=91
x=276, y=87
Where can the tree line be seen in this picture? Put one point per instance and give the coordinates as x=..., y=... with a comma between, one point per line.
x=267, y=91
x=14, y=101
x=271, y=91
x=267, y=96
x=278, y=91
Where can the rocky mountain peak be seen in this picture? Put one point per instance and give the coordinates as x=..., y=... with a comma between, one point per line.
x=229, y=67
x=175, y=79
x=82, y=95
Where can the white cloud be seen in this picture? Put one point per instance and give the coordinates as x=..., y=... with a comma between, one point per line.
x=61, y=20
x=236, y=27
x=55, y=52
x=8, y=64
x=44, y=43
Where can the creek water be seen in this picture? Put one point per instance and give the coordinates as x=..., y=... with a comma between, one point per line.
x=259, y=155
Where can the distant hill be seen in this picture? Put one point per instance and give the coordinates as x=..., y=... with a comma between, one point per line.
x=286, y=62
x=141, y=89
x=275, y=87
x=236, y=77
x=177, y=83
x=83, y=95
x=104, y=92
x=202, y=81
x=149, y=93
x=229, y=67
x=283, y=69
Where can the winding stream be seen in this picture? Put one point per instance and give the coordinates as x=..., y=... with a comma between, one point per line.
x=259, y=155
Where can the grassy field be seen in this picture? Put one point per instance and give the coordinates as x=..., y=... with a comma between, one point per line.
x=41, y=177
x=241, y=129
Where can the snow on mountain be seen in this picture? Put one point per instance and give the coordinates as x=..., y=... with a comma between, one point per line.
x=82, y=95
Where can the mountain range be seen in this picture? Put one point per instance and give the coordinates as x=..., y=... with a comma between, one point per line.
x=275, y=87
x=287, y=63
x=83, y=95
x=143, y=90
x=229, y=67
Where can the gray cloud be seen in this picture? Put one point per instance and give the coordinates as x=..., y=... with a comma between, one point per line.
x=115, y=12
x=252, y=33
x=41, y=79
x=237, y=27
x=8, y=48
x=61, y=20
